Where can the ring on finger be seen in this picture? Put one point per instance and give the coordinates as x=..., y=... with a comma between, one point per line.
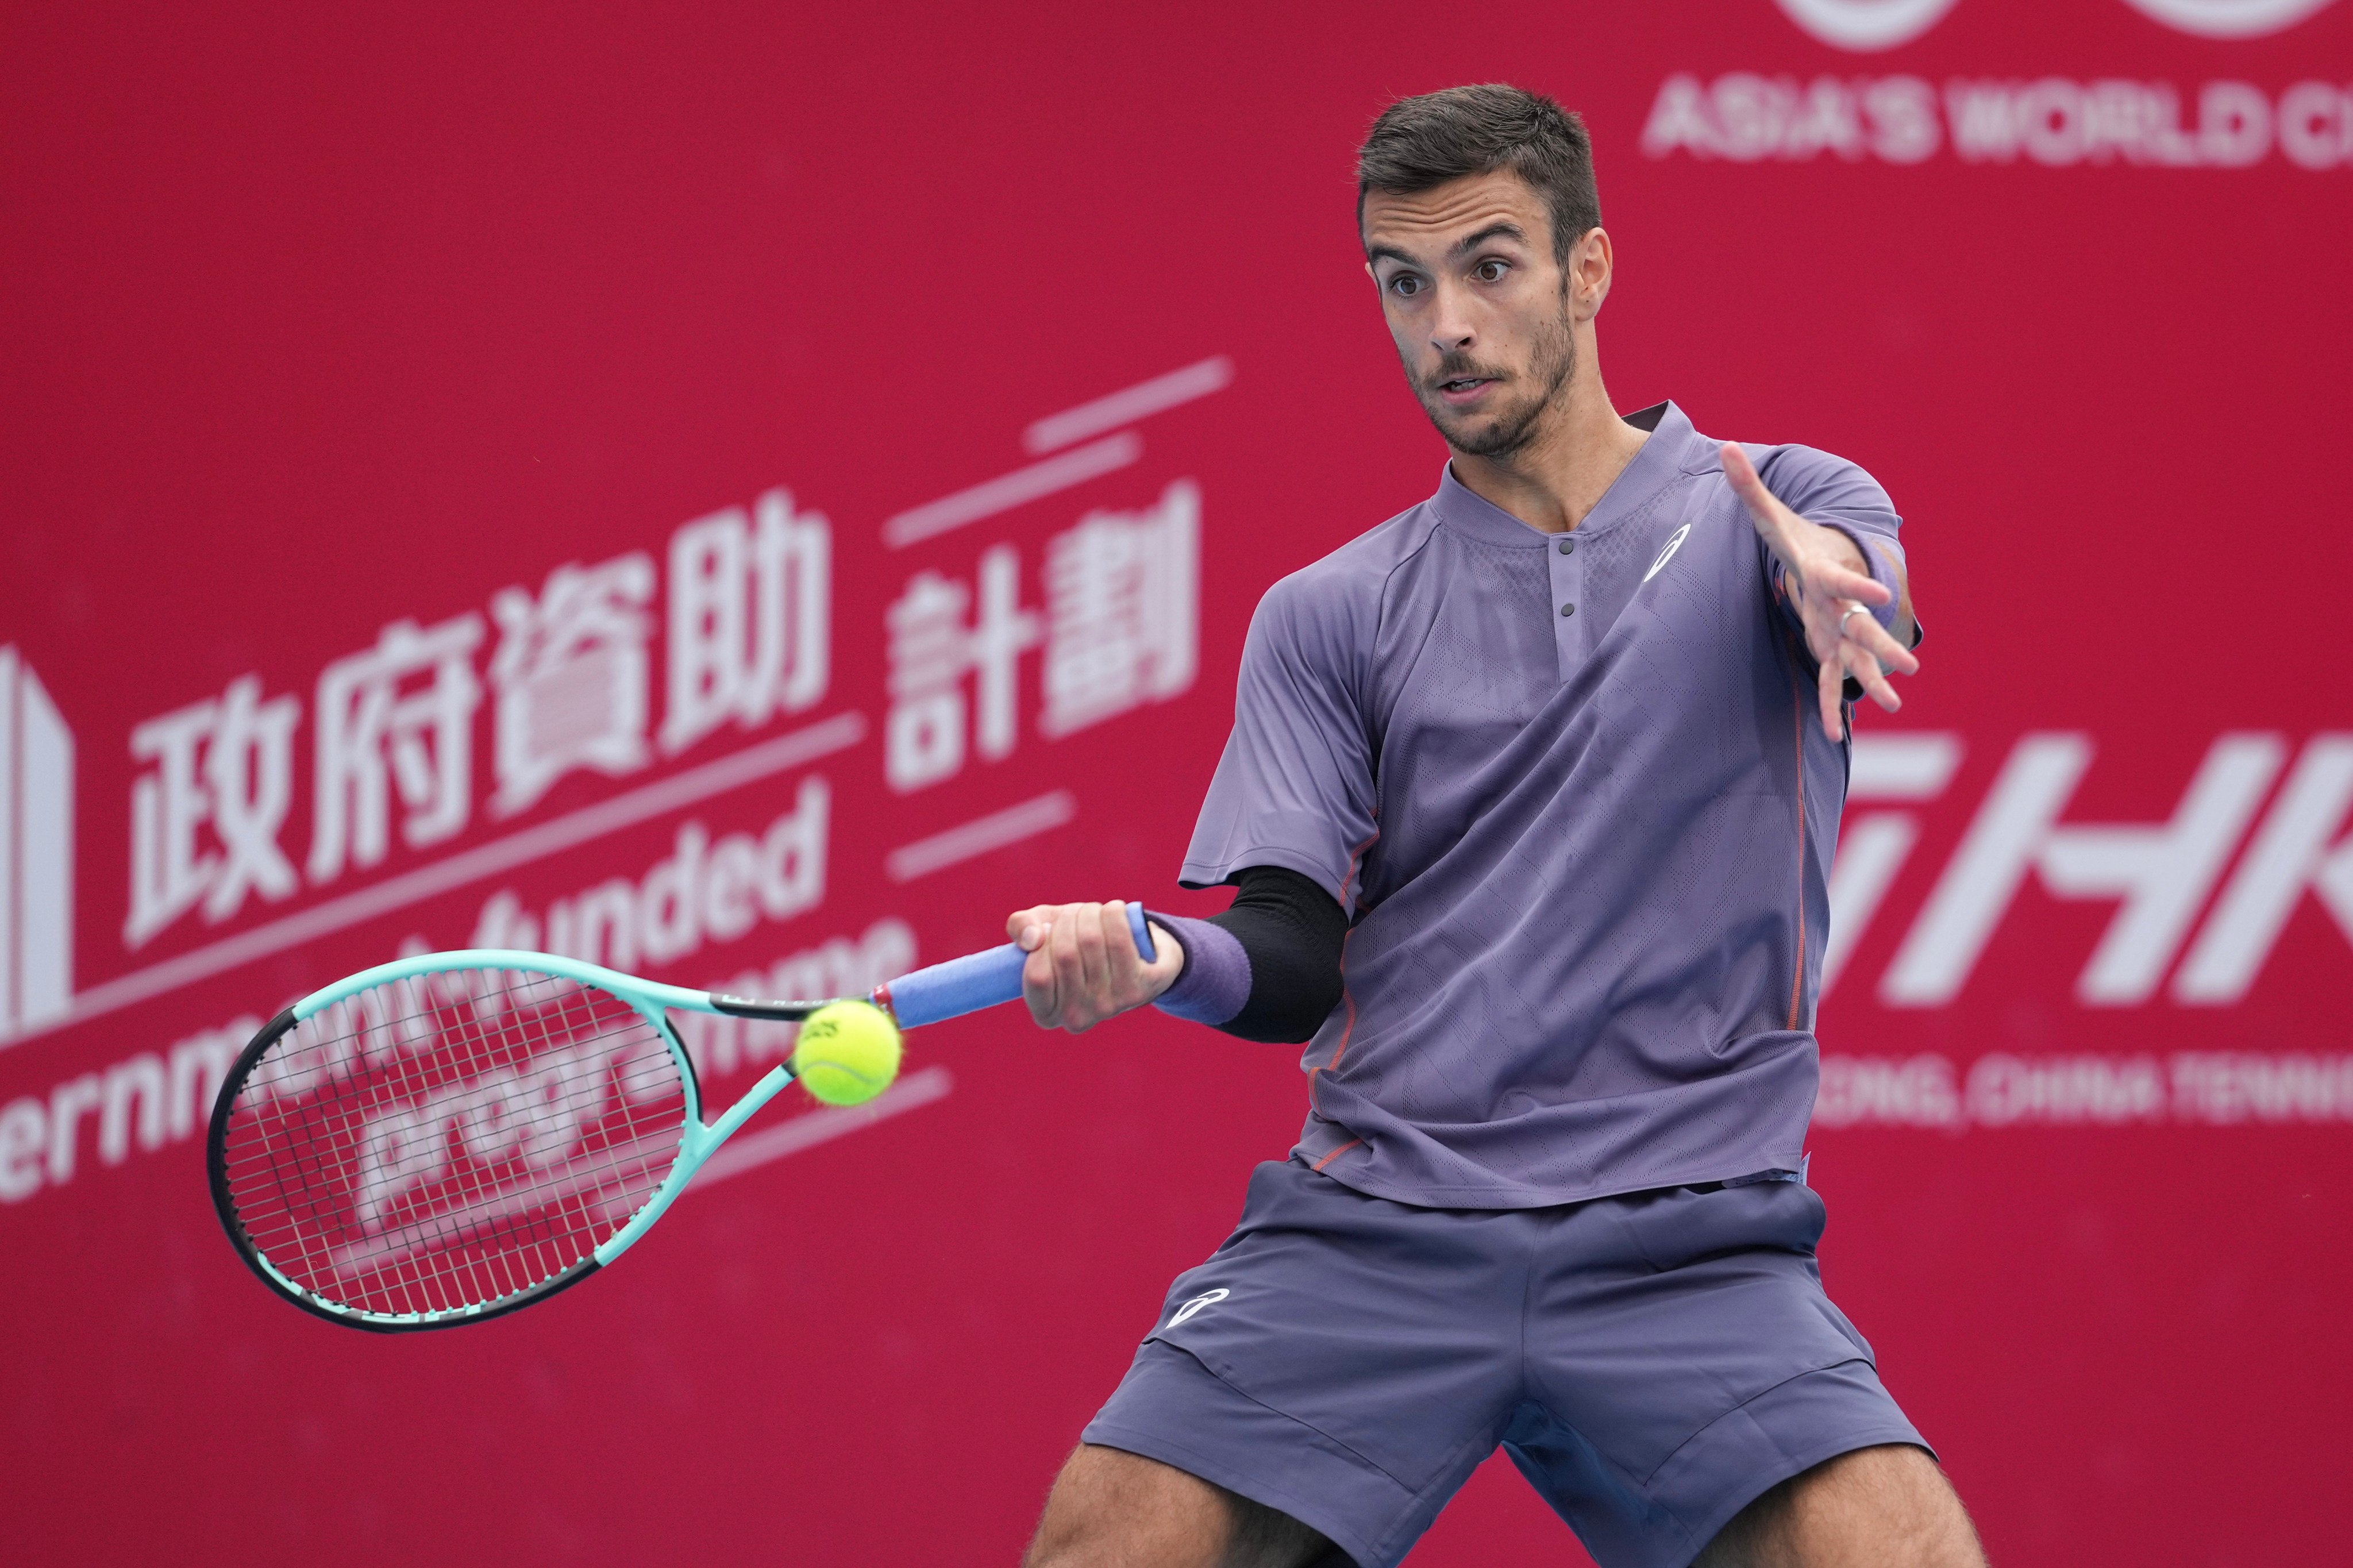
x=1853, y=607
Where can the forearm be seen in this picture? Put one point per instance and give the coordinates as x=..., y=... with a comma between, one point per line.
x=1862, y=553
x=1855, y=551
x=1266, y=969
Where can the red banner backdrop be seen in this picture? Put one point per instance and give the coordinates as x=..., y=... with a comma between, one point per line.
x=755, y=497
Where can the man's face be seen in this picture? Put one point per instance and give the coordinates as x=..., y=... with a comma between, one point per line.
x=1480, y=311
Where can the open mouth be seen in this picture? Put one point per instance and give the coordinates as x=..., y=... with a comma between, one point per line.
x=1463, y=388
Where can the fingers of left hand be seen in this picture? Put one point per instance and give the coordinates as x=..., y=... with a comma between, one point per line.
x=1865, y=635
x=1088, y=962
x=1836, y=582
x=1062, y=940
x=1831, y=681
x=1038, y=987
x=1114, y=957
x=1858, y=661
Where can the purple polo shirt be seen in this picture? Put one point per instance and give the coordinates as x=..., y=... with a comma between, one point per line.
x=1574, y=790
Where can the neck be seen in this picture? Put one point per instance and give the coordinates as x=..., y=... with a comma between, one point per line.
x=1574, y=454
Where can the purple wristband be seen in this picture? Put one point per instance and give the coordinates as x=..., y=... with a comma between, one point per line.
x=1215, y=980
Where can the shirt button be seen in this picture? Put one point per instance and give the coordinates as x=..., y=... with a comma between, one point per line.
x=1569, y=609
x=1568, y=546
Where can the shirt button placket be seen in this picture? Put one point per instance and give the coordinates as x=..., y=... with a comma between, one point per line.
x=1567, y=583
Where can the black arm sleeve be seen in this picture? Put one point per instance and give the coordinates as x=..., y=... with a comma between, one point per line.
x=1292, y=929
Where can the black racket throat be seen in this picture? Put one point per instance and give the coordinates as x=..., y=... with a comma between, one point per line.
x=752, y=1007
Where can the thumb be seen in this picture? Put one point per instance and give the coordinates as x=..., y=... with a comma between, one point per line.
x=1742, y=473
x=1773, y=521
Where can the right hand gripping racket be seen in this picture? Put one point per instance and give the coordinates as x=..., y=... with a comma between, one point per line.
x=449, y=1137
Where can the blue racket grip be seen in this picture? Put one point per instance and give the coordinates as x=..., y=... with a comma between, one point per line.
x=978, y=980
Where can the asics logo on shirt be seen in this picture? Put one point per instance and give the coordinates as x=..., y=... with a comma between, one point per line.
x=1674, y=543
x=1205, y=1298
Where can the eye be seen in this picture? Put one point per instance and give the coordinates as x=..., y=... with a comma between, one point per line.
x=1404, y=285
x=1491, y=271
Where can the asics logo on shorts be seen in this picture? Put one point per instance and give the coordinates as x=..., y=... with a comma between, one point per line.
x=1674, y=543
x=1205, y=1298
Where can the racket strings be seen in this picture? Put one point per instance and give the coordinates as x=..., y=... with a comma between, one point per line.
x=527, y=1242
x=430, y=1146
x=531, y=1245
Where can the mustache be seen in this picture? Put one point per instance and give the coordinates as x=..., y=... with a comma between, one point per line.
x=1459, y=367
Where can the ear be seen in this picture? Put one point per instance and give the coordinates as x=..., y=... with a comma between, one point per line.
x=1588, y=273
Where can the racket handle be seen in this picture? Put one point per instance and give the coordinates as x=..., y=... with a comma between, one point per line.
x=978, y=980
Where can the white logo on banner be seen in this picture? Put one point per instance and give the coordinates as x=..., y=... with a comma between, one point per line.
x=2053, y=120
x=749, y=629
x=2160, y=875
x=933, y=647
x=1121, y=628
x=1864, y=25
x=1123, y=610
x=37, y=769
x=750, y=616
x=395, y=717
x=226, y=761
x=571, y=671
x=703, y=890
x=2228, y=18
x=2198, y=1088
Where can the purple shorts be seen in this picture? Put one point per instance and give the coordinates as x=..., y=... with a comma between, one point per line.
x=1651, y=1361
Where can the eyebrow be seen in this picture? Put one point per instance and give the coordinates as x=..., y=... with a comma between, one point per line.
x=1469, y=242
x=1477, y=238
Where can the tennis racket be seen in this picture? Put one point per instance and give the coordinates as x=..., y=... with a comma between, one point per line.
x=446, y=1137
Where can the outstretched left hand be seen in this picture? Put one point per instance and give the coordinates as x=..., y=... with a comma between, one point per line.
x=1820, y=567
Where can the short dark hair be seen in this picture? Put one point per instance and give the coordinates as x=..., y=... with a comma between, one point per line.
x=1418, y=143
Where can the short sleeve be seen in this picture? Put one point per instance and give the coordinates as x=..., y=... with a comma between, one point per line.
x=1838, y=494
x=1294, y=786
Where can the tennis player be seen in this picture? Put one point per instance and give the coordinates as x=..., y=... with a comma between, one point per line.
x=1529, y=803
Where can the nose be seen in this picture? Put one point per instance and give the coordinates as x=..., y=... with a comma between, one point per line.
x=1450, y=324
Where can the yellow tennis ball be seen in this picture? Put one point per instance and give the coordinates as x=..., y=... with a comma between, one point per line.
x=848, y=1052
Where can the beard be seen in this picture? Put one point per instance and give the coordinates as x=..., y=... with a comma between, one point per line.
x=1510, y=427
